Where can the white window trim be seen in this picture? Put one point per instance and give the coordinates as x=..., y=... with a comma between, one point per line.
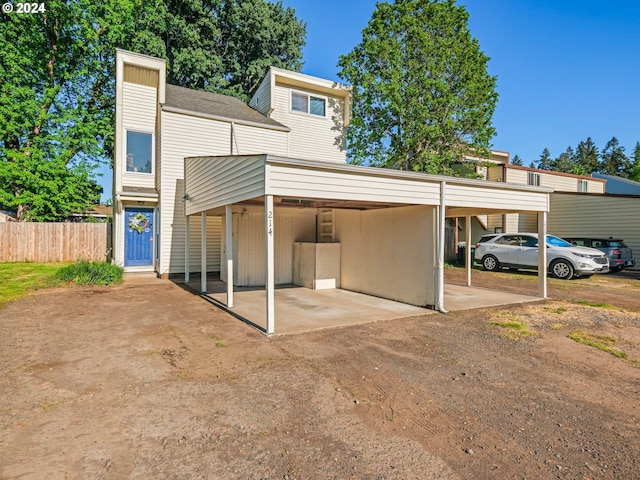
x=308, y=95
x=153, y=152
x=534, y=179
x=583, y=186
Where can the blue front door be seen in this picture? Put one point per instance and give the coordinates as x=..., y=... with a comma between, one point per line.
x=138, y=237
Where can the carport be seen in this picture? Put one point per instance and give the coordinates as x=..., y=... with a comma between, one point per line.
x=388, y=225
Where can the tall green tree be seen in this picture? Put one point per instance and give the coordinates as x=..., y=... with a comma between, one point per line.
x=57, y=81
x=422, y=97
x=586, y=157
x=635, y=168
x=225, y=46
x=565, y=162
x=55, y=95
x=613, y=160
x=545, y=162
x=516, y=160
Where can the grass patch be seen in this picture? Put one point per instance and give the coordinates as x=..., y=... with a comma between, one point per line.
x=17, y=279
x=557, y=310
x=596, y=304
x=84, y=272
x=220, y=344
x=516, y=328
x=601, y=342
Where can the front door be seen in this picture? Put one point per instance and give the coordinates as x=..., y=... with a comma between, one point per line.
x=138, y=237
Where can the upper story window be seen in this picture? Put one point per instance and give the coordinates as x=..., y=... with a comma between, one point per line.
x=139, y=151
x=534, y=179
x=583, y=186
x=306, y=103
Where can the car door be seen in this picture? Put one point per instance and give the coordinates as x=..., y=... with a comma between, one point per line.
x=527, y=253
x=505, y=249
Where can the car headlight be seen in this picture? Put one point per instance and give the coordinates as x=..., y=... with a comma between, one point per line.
x=582, y=255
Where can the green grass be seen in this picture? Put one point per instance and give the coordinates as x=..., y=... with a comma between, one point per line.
x=18, y=279
x=596, y=304
x=601, y=342
x=84, y=272
x=517, y=328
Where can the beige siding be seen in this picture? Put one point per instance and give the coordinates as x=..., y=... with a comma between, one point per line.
x=388, y=253
x=138, y=113
x=214, y=232
x=315, y=183
x=519, y=177
x=253, y=140
x=289, y=225
x=596, y=216
x=184, y=135
x=261, y=100
x=557, y=181
x=216, y=182
x=495, y=174
x=312, y=137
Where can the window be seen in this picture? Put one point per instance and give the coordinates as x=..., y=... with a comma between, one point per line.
x=302, y=102
x=139, y=151
x=534, y=179
x=583, y=186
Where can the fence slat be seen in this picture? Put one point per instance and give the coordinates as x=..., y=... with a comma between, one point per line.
x=52, y=242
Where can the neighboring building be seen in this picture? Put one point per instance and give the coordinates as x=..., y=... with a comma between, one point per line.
x=619, y=185
x=97, y=213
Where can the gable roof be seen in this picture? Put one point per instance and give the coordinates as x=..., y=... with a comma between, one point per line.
x=216, y=106
x=619, y=185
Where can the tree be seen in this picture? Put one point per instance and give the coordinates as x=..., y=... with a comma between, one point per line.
x=422, y=97
x=57, y=81
x=565, y=162
x=55, y=99
x=635, y=169
x=613, y=160
x=220, y=46
x=586, y=157
x=516, y=160
x=545, y=162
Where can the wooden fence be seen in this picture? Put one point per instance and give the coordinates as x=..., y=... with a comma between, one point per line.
x=53, y=242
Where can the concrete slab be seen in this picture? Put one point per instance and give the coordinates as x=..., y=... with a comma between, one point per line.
x=299, y=309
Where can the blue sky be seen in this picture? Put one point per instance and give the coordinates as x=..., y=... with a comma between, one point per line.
x=567, y=69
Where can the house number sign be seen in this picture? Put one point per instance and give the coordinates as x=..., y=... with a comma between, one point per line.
x=270, y=218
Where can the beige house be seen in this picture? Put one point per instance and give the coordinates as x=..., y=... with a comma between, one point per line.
x=262, y=193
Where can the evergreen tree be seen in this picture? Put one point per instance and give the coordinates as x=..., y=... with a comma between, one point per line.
x=545, y=162
x=613, y=160
x=635, y=169
x=586, y=157
x=516, y=160
x=565, y=162
x=422, y=97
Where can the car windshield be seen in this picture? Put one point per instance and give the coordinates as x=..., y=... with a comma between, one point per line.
x=557, y=242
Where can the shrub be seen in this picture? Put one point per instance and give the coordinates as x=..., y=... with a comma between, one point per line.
x=84, y=272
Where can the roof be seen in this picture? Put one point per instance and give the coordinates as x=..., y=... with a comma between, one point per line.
x=619, y=184
x=217, y=106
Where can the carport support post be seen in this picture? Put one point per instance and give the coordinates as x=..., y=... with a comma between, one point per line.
x=542, y=254
x=203, y=254
x=468, y=261
x=229, y=248
x=268, y=223
x=440, y=248
x=186, y=249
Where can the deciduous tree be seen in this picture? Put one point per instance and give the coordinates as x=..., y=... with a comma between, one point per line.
x=422, y=96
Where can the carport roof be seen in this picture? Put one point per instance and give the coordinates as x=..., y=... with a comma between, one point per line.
x=215, y=181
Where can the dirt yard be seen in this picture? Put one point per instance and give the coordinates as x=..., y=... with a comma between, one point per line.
x=146, y=380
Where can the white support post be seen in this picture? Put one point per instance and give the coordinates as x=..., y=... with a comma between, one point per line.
x=203, y=254
x=186, y=249
x=542, y=254
x=269, y=235
x=440, y=252
x=468, y=258
x=229, y=248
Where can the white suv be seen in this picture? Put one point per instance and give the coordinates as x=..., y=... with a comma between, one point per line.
x=520, y=250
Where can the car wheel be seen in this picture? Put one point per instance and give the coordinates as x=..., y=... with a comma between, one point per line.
x=490, y=263
x=562, y=269
x=615, y=269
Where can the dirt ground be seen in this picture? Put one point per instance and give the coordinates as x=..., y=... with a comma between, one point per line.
x=146, y=380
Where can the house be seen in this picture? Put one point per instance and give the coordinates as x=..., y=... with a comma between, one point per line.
x=262, y=193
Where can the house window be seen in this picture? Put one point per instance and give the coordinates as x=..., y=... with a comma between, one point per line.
x=303, y=102
x=534, y=179
x=139, y=151
x=583, y=186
